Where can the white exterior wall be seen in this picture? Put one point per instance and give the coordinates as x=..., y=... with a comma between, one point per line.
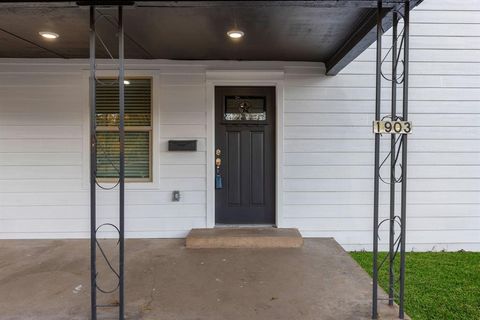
x=45, y=164
x=327, y=169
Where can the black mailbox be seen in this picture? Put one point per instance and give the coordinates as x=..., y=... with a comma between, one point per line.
x=182, y=145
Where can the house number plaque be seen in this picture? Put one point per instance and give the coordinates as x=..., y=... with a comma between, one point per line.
x=392, y=127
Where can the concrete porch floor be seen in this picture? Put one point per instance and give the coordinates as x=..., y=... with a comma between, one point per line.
x=49, y=279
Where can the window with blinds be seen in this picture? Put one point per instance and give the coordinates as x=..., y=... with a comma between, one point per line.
x=138, y=129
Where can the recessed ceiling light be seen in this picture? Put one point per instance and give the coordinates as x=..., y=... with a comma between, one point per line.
x=235, y=34
x=126, y=82
x=48, y=34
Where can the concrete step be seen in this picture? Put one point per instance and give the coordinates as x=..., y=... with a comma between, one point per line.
x=244, y=238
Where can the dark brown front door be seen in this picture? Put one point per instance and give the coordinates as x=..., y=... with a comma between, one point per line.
x=245, y=155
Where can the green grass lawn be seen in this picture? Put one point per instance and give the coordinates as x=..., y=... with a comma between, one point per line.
x=439, y=285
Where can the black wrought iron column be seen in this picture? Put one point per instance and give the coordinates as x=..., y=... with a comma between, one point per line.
x=117, y=273
x=93, y=165
x=376, y=186
x=398, y=127
x=403, y=217
x=121, y=130
x=393, y=138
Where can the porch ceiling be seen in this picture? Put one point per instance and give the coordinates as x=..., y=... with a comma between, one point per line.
x=333, y=32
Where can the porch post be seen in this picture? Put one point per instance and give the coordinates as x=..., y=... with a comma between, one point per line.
x=393, y=160
x=396, y=244
x=121, y=129
x=93, y=165
x=378, y=89
x=403, y=213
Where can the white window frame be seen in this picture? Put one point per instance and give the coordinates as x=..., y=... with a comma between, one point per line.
x=154, y=181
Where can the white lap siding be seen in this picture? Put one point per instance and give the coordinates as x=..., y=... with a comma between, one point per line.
x=44, y=156
x=329, y=144
x=41, y=154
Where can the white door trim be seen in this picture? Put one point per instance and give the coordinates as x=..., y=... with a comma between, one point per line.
x=244, y=78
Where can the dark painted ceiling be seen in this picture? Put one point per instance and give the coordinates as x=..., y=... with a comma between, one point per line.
x=300, y=33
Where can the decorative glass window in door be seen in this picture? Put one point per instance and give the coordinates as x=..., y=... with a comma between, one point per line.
x=241, y=108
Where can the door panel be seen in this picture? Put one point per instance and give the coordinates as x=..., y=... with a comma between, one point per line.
x=257, y=168
x=245, y=138
x=232, y=167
